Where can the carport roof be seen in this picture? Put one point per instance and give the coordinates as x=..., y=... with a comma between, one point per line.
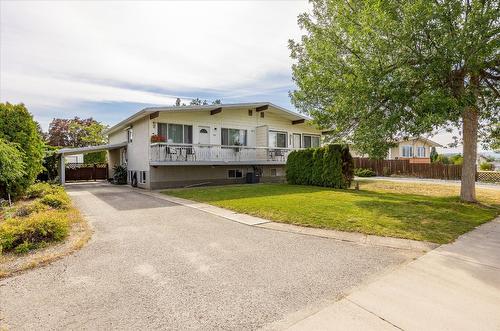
x=88, y=149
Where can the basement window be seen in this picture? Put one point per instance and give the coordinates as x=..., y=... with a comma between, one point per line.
x=234, y=173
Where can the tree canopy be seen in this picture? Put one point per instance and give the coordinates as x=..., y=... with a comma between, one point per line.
x=375, y=71
x=17, y=128
x=12, y=167
x=76, y=132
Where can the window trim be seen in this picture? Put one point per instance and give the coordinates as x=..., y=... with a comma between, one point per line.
x=410, y=147
x=130, y=135
x=236, y=171
x=222, y=136
x=141, y=175
x=419, y=148
x=278, y=132
x=183, y=131
x=311, y=136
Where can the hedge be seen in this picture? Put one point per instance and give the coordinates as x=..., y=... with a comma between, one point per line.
x=329, y=166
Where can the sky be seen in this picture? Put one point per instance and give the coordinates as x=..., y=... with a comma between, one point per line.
x=109, y=59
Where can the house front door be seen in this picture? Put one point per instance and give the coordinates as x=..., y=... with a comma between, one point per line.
x=203, y=152
x=204, y=135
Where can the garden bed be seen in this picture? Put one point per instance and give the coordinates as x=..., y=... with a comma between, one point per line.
x=39, y=228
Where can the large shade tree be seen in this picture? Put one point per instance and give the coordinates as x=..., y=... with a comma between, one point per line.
x=379, y=70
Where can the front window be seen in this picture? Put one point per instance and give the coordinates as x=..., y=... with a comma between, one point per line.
x=130, y=135
x=420, y=151
x=233, y=137
x=235, y=173
x=311, y=141
x=176, y=133
x=277, y=139
x=407, y=151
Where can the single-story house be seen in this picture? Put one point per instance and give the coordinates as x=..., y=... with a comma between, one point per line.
x=164, y=147
x=416, y=150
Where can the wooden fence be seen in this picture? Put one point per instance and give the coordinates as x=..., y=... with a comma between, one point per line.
x=405, y=168
x=80, y=171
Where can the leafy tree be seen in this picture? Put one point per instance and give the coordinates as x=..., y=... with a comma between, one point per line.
x=198, y=102
x=95, y=157
x=217, y=102
x=457, y=159
x=443, y=159
x=378, y=71
x=434, y=155
x=12, y=168
x=76, y=132
x=17, y=126
x=178, y=102
x=50, y=164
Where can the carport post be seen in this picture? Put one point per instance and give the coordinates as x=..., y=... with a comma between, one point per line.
x=62, y=173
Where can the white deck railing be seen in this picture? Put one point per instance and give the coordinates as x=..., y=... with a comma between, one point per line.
x=194, y=153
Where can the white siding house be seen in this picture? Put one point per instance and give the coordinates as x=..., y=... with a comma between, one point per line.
x=203, y=145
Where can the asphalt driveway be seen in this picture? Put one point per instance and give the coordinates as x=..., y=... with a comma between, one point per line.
x=152, y=264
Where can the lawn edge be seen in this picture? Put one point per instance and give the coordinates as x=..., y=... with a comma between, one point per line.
x=354, y=237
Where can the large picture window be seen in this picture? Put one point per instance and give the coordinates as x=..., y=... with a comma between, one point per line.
x=233, y=137
x=176, y=133
x=407, y=151
x=421, y=151
x=277, y=139
x=311, y=141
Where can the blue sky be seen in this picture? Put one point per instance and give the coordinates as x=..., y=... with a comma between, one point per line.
x=109, y=59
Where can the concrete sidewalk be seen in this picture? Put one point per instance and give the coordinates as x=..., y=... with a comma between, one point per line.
x=454, y=287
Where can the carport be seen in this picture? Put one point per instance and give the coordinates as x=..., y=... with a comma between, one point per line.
x=83, y=150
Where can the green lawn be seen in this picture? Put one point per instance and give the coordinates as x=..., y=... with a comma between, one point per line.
x=406, y=210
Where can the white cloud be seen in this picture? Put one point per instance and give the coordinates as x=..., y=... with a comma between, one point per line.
x=181, y=46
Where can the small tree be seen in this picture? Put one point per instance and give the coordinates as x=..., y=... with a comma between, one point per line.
x=434, y=155
x=12, y=167
x=17, y=126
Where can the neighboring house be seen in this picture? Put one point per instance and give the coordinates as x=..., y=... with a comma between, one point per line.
x=416, y=150
x=213, y=144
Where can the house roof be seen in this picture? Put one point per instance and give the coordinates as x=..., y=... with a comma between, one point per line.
x=200, y=108
x=79, y=150
x=428, y=141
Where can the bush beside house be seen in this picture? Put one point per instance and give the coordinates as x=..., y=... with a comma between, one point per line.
x=43, y=217
x=329, y=166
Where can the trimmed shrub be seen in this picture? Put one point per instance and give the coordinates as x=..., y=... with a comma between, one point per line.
x=119, y=175
x=30, y=208
x=329, y=166
x=57, y=200
x=38, y=190
x=23, y=234
x=487, y=166
x=360, y=172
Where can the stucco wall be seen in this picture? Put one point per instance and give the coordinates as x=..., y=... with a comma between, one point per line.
x=180, y=176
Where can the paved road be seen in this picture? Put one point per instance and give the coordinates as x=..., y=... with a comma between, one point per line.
x=152, y=264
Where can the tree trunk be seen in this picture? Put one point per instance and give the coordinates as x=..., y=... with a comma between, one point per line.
x=470, y=126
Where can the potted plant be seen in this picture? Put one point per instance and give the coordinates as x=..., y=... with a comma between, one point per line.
x=156, y=138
